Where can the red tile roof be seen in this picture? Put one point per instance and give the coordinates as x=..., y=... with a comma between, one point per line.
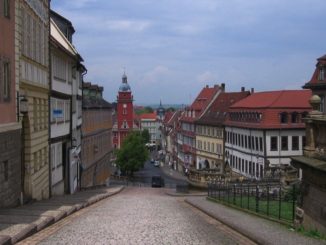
x=276, y=99
x=269, y=105
x=216, y=113
x=201, y=102
x=151, y=116
x=167, y=116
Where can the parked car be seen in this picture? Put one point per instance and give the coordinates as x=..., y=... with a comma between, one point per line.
x=157, y=163
x=157, y=181
x=152, y=161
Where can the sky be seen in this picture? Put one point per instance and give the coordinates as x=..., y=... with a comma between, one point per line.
x=171, y=49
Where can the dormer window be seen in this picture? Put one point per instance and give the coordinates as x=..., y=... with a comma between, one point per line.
x=283, y=117
x=321, y=75
x=294, y=117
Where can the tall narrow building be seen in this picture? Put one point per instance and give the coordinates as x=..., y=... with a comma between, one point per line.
x=32, y=50
x=10, y=128
x=125, y=114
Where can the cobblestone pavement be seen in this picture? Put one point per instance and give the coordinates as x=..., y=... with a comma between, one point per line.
x=140, y=216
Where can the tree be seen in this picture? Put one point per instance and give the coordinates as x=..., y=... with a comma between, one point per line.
x=132, y=155
x=145, y=135
x=149, y=109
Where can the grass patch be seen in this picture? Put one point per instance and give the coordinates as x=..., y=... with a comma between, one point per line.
x=314, y=233
x=272, y=208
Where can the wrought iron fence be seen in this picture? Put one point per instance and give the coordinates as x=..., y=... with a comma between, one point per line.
x=270, y=199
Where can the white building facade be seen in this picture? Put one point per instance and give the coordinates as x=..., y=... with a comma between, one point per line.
x=258, y=137
x=65, y=108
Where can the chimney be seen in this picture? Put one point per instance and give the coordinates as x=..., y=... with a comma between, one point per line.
x=223, y=87
x=207, y=86
x=242, y=89
x=252, y=90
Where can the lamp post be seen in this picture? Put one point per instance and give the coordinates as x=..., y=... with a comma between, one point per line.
x=23, y=109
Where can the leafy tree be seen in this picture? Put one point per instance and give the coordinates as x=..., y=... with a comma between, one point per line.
x=149, y=109
x=133, y=154
x=145, y=135
x=172, y=109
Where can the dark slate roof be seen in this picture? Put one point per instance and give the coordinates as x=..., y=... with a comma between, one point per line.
x=217, y=112
x=96, y=103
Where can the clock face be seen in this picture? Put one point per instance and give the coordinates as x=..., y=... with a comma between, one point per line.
x=124, y=105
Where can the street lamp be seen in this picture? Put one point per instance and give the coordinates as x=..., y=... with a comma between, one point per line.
x=23, y=109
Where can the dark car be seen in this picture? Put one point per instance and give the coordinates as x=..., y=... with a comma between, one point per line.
x=157, y=181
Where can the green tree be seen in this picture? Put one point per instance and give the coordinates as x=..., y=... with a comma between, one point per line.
x=132, y=155
x=149, y=109
x=145, y=135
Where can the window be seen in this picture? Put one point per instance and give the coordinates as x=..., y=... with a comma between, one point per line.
x=6, y=8
x=284, y=142
x=260, y=143
x=256, y=143
x=295, y=143
x=6, y=81
x=321, y=75
x=294, y=117
x=283, y=117
x=249, y=142
x=303, y=141
x=246, y=141
x=274, y=143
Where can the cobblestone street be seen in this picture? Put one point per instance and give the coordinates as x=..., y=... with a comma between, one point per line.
x=140, y=216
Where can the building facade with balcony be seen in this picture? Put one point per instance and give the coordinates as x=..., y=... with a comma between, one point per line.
x=313, y=161
x=10, y=127
x=65, y=107
x=265, y=130
x=32, y=50
x=97, y=150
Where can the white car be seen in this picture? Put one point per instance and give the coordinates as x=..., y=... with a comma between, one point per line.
x=156, y=163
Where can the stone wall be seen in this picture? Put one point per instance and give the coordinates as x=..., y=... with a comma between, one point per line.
x=314, y=198
x=10, y=168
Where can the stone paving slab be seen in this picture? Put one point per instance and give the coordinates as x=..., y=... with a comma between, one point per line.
x=260, y=230
x=18, y=223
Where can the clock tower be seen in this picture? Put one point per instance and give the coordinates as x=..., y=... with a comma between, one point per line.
x=125, y=113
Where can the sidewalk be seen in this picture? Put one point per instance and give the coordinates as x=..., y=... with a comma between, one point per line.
x=259, y=230
x=173, y=173
x=18, y=223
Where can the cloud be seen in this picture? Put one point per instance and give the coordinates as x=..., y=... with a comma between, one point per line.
x=156, y=75
x=206, y=76
x=126, y=25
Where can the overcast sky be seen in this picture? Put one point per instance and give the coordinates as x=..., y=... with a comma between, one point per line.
x=172, y=48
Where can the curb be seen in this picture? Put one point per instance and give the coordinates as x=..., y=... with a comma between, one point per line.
x=33, y=228
x=5, y=240
x=245, y=233
x=175, y=194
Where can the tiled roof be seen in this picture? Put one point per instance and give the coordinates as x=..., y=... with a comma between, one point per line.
x=314, y=81
x=95, y=103
x=276, y=99
x=146, y=116
x=203, y=98
x=217, y=112
x=167, y=116
x=266, y=108
x=201, y=102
